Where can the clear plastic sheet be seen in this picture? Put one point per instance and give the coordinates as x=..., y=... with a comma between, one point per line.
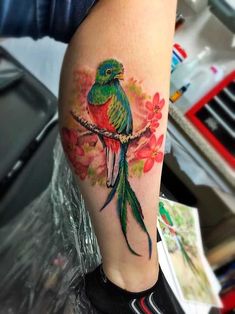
x=47, y=249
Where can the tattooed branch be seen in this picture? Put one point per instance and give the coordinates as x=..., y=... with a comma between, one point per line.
x=122, y=138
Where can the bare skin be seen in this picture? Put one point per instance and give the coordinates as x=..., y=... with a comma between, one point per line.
x=139, y=34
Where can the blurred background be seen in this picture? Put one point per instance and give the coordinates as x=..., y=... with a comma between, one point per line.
x=199, y=165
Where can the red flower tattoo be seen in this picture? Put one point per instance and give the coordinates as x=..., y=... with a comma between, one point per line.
x=151, y=152
x=70, y=144
x=154, y=125
x=81, y=170
x=74, y=150
x=155, y=108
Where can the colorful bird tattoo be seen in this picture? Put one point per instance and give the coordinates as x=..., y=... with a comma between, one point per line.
x=109, y=108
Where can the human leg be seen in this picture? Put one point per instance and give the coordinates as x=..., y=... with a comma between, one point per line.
x=134, y=37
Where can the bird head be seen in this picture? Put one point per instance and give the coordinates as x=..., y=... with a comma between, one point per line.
x=108, y=71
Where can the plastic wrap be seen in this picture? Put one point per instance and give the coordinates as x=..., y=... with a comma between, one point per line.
x=47, y=249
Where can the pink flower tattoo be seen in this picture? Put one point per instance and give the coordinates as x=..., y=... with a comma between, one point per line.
x=155, y=107
x=151, y=152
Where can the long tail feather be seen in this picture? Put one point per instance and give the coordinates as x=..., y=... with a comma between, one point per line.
x=122, y=208
x=135, y=200
x=111, y=194
x=125, y=196
x=137, y=213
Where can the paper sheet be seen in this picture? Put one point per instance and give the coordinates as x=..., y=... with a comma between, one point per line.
x=195, y=283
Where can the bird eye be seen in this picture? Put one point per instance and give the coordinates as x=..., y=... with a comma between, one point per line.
x=108, y=71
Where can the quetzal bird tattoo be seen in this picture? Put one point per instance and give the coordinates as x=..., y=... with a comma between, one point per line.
x=109, y=108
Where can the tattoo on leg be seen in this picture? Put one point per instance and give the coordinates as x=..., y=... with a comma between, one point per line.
x=112, y=136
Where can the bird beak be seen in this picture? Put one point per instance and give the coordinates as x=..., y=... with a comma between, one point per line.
x=120, y=76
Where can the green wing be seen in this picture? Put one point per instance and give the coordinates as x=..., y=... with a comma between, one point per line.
x=119, y=115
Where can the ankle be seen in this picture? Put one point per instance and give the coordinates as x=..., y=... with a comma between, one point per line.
x=133, y=279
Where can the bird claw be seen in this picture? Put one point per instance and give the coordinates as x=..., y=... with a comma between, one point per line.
x=124, y=139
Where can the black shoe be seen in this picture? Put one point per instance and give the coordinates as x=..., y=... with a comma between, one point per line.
x=108, y=298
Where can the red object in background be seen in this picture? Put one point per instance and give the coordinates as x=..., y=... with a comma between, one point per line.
x=180, y=50
x=194, y=117
x=228, y=300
